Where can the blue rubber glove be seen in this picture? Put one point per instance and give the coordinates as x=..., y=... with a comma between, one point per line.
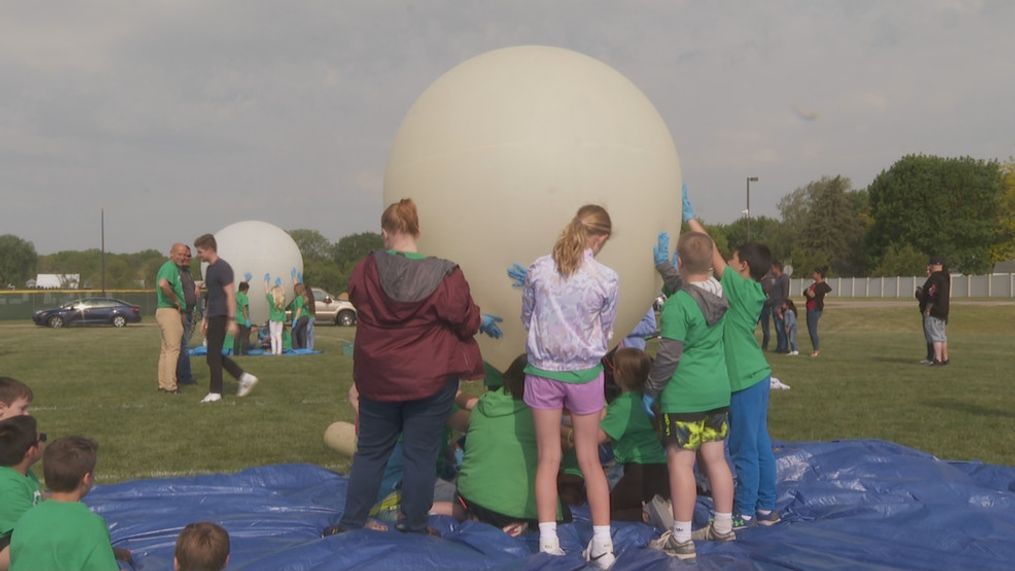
x=278, y=281
x=247, y=276
x=518, y=274
x=292, y=273
x=649, y=403
x=489, y=326
x=662, y=250
x=267, y=277
x=686, y=204
x=299, y=277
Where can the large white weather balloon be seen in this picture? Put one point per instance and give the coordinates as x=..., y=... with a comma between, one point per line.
x=256, y=248
x=501, y=151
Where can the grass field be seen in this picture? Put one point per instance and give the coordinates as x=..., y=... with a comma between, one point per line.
x=100, y=382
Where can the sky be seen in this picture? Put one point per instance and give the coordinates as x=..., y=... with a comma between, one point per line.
x=181, y=117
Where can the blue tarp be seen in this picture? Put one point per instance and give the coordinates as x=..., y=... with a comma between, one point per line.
x=846, y=505
x=201, y=351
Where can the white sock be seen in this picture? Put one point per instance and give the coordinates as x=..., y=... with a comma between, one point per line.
x=682, y=531
x=548, y=530
x=601, y=534
x=723, y=522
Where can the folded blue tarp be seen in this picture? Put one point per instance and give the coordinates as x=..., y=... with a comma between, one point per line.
x=846, y=505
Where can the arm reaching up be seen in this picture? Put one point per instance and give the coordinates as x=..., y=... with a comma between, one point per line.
x=718, y=262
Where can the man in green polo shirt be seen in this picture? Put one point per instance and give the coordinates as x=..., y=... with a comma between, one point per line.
x=169, y=307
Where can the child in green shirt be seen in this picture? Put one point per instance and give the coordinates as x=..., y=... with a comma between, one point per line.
x=20, y=448
x=242, y=338
x=750, y=378
x=635, y=443
x=689, y=380
x=276, y=313
x=15, y=398
x=62, y=533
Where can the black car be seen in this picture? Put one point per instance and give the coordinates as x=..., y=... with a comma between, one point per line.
x=89, y=311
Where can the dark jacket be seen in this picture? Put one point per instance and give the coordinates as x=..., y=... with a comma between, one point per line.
x=416, y=327
x=936, y=294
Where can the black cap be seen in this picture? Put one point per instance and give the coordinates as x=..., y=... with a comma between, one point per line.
x=936, y=261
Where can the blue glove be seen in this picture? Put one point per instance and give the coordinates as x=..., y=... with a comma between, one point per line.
x=247, y=276
x=489, y=326
x=299, y=277
x=686, y=204
x=662, y=250
x=649, y=403
x=292, y=273
x=278, y=281
x=518, y=274
x=267, y=277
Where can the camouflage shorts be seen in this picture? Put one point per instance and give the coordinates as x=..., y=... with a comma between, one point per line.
x=690, y=431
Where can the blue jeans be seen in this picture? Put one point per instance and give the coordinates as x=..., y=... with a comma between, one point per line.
x=183, y=372
x=751, y=449
x=766, y=314
x=421, y=423
x=813, y=315
x=780, y=334
x=792, y=339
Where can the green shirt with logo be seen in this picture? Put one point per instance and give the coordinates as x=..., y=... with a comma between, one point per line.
x=169, y=272
x=700, y=382
x=745, y=362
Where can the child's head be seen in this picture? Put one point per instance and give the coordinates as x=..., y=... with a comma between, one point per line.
x=630, y=369
x=788, y=305
x=244, y=286
x=400, y=218
x=20, y=438
x=202, y=546
x=15, y=397
x=757, y=257
x=298, y=289
x=590, y=228
x=278, y=296
x=69, y=464
x=695, y=251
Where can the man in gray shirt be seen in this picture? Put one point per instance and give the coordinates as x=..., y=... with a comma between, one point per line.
x=780, y=292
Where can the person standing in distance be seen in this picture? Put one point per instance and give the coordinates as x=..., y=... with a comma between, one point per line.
x=184, y=375
x=170, y=302
x=219, y=317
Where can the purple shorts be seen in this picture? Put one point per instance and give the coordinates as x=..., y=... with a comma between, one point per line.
x=579, y=398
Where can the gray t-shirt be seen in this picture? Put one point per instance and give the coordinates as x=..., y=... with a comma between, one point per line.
x=216, y=277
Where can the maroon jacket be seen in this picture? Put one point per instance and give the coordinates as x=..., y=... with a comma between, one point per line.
x=416, y=327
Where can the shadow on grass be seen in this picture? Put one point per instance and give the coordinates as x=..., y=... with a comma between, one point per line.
x=969, y=408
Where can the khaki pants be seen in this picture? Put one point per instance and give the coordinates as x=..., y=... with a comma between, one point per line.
x=171, y=326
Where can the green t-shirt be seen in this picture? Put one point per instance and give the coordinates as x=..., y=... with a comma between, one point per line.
x=169, y=272
x=634, y=439
x=499, y=468
x=745, y=362
x=700, y=382
x=61, y=535
x=275, y=313
x=17, y=495
x=241, y=302
x=578, y=377
x=299, y=309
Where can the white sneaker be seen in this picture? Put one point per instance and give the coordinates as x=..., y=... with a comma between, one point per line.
x=550, y=546
x=660, y=512
x=793, y=353
x=600, y=554
x=926, y=361
x=211, y=397
x=247, y=382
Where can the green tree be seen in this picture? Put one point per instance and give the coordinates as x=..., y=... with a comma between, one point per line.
x=823, y=225
x=17, y=261
x=354, y=247
x=1004, y=248
x=901, y=261
x=941, y=206
x=312, y=244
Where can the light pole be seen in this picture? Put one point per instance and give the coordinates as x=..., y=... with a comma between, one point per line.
x=750, y=179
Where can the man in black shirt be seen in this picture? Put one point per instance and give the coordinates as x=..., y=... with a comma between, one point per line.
x=936, y=295
x=220, y=316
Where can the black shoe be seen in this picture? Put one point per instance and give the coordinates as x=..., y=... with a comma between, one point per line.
x=334, y=530
x=400, y=526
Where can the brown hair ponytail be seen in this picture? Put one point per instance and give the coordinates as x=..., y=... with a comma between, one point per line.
x=569, y=251
x=401, y=218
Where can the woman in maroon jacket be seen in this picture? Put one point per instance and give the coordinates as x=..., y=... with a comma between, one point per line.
x=414, y=340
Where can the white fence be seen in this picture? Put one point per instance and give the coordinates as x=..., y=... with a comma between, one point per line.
x=993, y=285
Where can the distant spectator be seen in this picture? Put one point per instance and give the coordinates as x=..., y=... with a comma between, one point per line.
x=815, y=296
x=779, y=294
x=922, y=304
x=242, y=338
x=170, y=306
x=201, y=546
x=300, y=317
x=789, y=322
x=937, y=294
x=767, y=310
x=15, y=398
x=311, y=307
x=184, y=376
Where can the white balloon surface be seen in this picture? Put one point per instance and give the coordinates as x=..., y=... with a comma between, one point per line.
x=256, y=248
x=501, y=151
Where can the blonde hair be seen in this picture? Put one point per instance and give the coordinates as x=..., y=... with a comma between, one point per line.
x=278, y=296
x=569, y=251
x=695, y=250
x=401, y=218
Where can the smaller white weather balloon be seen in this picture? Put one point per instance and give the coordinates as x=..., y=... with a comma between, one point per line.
x=253, y=249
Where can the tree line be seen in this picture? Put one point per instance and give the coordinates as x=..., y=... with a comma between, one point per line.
x=960, y=208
